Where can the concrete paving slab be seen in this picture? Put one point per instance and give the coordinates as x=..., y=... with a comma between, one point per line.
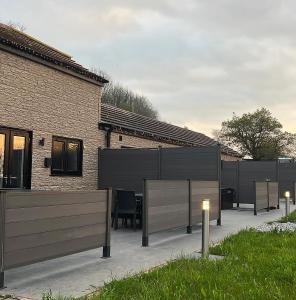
x=79, y=274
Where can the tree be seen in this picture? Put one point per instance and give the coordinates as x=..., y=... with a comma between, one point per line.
x=258, y=135
x=122, y=97
x=17, y=26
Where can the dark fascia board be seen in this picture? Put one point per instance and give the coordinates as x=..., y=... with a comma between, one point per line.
x=50, y=65
x=138, y=133
x=141, y=134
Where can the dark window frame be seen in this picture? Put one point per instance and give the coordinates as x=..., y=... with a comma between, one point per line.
x=65, y=171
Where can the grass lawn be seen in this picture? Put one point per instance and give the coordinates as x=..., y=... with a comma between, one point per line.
x=256, y=266
x=291, y=218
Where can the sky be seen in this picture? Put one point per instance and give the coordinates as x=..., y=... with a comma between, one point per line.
x=197, y=61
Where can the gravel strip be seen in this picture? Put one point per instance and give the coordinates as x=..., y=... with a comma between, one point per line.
x=276, y=226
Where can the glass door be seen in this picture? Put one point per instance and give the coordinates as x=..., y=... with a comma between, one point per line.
x=14, y=159
x=4, y=149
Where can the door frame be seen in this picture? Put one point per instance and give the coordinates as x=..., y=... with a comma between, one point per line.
x=9, y=134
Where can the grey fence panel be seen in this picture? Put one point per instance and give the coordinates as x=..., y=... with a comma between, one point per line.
x=250, y=171
x=126, y=168
x=261, y=195
x=196, y=163
x=287, y=178
x=42, y=225
x=168, y=204
x=229, y=174
x=273, y=188
x=204, y=190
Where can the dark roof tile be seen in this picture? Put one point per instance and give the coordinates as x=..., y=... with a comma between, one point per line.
x=131, y=121
x=22, y=42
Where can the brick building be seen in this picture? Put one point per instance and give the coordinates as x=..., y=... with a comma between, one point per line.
x=50, y=110
x=124, y=129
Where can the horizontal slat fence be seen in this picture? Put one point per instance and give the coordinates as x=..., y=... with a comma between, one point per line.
x=170, y=204
x=41, y=225
x=241, y=175
x=127, y=168
x=204, y=190
x=273, y=194
x=287, y=178
x=261, y=196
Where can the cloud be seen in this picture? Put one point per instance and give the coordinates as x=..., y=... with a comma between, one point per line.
x=197, y=61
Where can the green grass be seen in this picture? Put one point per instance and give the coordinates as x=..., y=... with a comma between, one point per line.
x=291, y=218
x=256, y=266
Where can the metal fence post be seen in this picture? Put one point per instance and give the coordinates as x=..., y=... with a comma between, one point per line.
x=294, y=188
x=189, y=227
x=219, y=182
x=255, y=198
x=159, y=161
x=278, y=180
x=107, y=247
x=237, y=184
x=145, y=235
x=267, y=189
x=2, y=236
x=98, y=167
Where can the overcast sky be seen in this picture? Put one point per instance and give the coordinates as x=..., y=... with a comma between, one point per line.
x=198, y=61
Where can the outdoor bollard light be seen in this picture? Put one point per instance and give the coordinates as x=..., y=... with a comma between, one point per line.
x=287, y=196
x=205, y=227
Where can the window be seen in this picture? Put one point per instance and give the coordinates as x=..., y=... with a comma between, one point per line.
x=66, y=157
x=120, y=138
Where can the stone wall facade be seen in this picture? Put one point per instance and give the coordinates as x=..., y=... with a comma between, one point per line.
x=119, y=140
x=48, y=103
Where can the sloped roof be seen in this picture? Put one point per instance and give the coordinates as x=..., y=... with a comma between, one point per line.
x=18, y=41
x=136, y=123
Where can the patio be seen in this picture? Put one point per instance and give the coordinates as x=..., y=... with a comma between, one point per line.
x=78, y=274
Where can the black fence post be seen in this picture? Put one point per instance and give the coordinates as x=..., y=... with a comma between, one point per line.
x=2, y=236
x=278, y=180
x=107, y=247
x=255, y=198
x=159, y=161
x=145, y=234
x=267, y=189
x=294, y=187
x=237, y=183
x=99, y=165
x=219, y=181
x=189, y=227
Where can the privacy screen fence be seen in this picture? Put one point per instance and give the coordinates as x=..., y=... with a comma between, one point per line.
x=127, y=168
x=170, y=204
x=241, y=175
x=41, y=225
x=266, y=195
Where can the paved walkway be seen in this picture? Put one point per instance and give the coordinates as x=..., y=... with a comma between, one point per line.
x=78, y=274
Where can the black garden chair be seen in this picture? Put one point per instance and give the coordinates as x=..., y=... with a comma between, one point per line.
x=125, y=208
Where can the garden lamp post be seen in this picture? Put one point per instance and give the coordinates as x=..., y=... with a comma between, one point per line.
x=205, y=227
x=287, y=196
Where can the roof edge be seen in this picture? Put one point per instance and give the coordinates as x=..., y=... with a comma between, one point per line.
x=37, y=57
x=163, y=139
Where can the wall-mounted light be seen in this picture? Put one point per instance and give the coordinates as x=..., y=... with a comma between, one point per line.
x=205, y=227
x=41, y=142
